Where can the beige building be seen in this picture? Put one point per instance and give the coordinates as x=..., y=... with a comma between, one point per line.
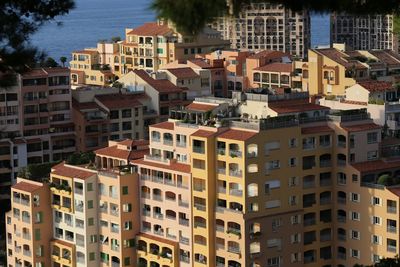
x=261, y=26
x=330, y=71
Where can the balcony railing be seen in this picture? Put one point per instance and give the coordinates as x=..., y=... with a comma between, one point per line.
x=184, y=222
x=391, y=209
x=235, y=173
x=391, y=229
x=235, y=153
x=200, y=207
x=236, y=192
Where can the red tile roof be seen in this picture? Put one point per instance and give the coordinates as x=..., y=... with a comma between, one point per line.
x=276, y=67
x=237, y=135
x=341, y=58
x=200, y=62
x=377, y=86
x=395, y=190
x=26, y=187
x=115, y=152
x=268, y=54
x=71, y=171
x=362, y=127
x=161, y=85
x=164, y=125
x=283, y=107
x=173, y=166
x=376, y=165
x=316, y=129
x=183, y=73
x=200, y=107
x=118, y=101
x=132, y=143
x=203, y=133
x=151, y=29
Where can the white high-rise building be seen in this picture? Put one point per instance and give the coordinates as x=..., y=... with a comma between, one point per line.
x=267, y=26
x=364, y=32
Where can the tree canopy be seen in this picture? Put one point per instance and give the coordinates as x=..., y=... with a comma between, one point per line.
x=19, y=19
x=191, y=16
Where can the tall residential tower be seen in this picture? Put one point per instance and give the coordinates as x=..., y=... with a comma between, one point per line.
x=267, y=26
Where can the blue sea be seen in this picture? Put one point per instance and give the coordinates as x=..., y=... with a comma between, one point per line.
x=94, y=20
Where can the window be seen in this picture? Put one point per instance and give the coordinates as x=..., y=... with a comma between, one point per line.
x=90, y=204
x=372, y=138
x=124, y=190
x=355, y=216
x=376, y=220
x=93, y=238
x=355, y=234
x=354, y=178
x=128, y=225
x=253, y=206
x=371, y=155
x=292, y=162
x=292, y=142
x=355, y=253
x=375, y=239
x=376, y=201
x=293, y=181
x=355, y=197
x=127, y=207
x=92, y=256
x=90, y=221
x=292, y=200
x=89, y=187
x=37, y=234
x=127, y=261
x=275, y=261
x=295, y=219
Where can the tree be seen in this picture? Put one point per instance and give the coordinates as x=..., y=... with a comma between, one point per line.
x=19, y=19
x=190, y=17
x=37, y=172
x=63, y=60
x=115, y=39
x=49, y=63
x=385, y=262
x=81, y=158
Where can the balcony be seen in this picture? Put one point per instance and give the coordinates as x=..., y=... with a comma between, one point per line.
x=236, y=192
x=235, y=173
x=393, y=125
x=235, y=250
x=391, y=248
x=391, y=229
x=184, y=240
x=235, y=153
x=199, y=149
x=184, y=222
x=200, y=207
x=392, y=209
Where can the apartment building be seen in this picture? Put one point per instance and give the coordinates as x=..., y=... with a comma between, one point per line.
x=46, y=106
x=27, y=225
x=93, y=66
x=155, y=44
x=12, y=146
x=83, y=217
x=366, y=32
x=330, y=71
x=217, y=187
x=103, y=114
x=261, y=26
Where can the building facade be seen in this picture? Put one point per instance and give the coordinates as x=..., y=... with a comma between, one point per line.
x=298, y=185
x=366, y=32
x=262, y=26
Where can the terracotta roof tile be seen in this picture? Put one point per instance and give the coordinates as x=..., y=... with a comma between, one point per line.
x=237, y=135
x=376, y=165
x=124, y=154
x=203, y=133
x=395, y=190
x=200, y=107
x=173, y=166
x=118, y=101
x=151, y=29
x=161, y=85
x=376, y=86
x=341, y=58
x=164, y=125
x=354, y=102
x=268, y=54
x=362, y=127
x=276, y=67
x=316, y=129
x=26, y=187
x=183, y=73
x=63, y=169
x=200, y=62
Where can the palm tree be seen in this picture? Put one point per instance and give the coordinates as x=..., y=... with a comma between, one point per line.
x=63, y=60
